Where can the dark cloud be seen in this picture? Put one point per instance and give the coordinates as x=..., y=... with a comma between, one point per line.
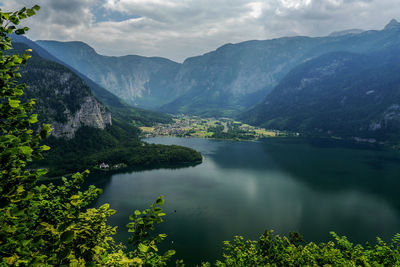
x=68, y=13
x=178, y=29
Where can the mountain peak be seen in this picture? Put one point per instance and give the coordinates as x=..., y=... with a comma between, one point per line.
x=393, y=24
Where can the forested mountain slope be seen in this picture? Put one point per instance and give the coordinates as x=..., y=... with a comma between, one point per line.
x=340, y=93
x=62, y=98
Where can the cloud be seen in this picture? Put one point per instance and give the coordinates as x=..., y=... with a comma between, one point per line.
x=178, y=29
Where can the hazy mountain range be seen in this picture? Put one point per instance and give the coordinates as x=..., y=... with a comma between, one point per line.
x=344, y=84
x=226, y=81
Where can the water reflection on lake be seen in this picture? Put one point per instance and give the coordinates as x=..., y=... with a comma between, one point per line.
x=246, y=187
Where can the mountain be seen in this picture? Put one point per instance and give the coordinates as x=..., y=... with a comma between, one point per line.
x=223, y=82
x=85, y=132
x=340, y=93
x=116, y=105
x=237, y=76
x=346, y=32
x=62, y=98
x=393, y=24
x=140, y=81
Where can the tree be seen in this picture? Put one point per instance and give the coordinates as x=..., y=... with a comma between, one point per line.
x=47, y=224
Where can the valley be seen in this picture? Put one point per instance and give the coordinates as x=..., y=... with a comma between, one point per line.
x=214, y=128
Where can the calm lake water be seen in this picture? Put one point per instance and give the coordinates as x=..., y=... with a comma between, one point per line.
x=243, y=188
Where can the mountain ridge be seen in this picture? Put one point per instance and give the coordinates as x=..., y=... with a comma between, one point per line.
x=232, y=78
x=128, y=77
x=393, y=24
x=342, y=94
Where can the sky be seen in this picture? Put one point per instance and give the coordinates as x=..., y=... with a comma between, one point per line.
x=178, y=29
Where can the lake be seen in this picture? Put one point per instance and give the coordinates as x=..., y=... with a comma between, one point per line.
x=242, y=188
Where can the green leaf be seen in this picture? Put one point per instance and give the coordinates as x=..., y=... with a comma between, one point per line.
x=143, y=248
x=105, y=207
x=14, y=19
x=46, y=129
x=76, y=202
x=45, y=148
x=30, y=12
x=160, y=201
x=64, y=226
x=41, y=172
x=130, y=225
x=137, y=213
x=170, y=253
x=13, y=103
x=20, y=31
x=29, y=195
x=22, y=15
x=67, y=236
x=33, y=118
x=26, y=150
x=20, y=189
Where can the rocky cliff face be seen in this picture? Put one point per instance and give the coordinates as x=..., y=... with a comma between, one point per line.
x=91, y=114
x=62, y=98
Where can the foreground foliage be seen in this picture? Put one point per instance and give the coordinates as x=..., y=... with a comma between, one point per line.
x=51, y=225
x=273, y=250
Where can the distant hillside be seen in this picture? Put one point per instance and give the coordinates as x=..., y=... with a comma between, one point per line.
x=346, y=32
x=237, y=76
x=340, y=93
x=224, y=82
x=140, y=81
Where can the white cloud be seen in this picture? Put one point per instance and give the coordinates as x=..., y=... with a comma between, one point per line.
x=178, y=29
x=296, y=4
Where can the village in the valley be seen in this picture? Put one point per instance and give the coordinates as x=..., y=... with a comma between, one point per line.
x=221, y=128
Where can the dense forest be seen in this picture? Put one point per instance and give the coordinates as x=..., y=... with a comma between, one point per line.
x=113, y=146
x=48, y=225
